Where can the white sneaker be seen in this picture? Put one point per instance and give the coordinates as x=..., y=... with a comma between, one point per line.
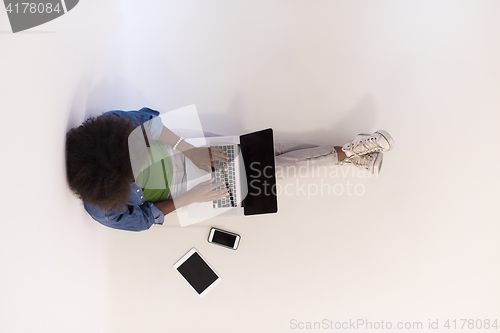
x=362, y=144
x=371, y=162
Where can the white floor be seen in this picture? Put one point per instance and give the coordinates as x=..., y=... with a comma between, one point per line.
x=421, y=243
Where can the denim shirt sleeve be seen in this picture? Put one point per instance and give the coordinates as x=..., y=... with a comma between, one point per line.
x=145, y=116
x=155, y=127
x=138, y=215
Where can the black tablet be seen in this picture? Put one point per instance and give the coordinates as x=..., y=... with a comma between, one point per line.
x=197, y=272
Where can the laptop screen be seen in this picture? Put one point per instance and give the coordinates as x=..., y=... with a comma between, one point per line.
x=257, y=150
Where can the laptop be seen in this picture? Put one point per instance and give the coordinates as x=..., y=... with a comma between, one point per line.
x=250, y=176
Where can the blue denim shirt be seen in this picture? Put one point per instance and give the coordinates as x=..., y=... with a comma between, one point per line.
x=138, y=215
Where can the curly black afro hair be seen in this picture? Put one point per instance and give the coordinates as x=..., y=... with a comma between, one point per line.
x=97, y=161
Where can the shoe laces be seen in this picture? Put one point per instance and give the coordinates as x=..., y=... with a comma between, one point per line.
x=368, y=144
x=361, y=161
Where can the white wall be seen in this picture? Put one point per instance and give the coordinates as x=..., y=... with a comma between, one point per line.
x=421, y=243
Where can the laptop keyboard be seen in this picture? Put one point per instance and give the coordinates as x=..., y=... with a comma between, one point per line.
x=228, y=177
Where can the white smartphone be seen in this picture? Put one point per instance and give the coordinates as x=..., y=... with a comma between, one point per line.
x=224, y=238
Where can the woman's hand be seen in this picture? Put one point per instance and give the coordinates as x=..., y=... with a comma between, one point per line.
x=204, y=192
x=204, y=157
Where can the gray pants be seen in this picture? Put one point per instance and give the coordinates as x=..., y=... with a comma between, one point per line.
x=292, y=155
x=289, y=157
